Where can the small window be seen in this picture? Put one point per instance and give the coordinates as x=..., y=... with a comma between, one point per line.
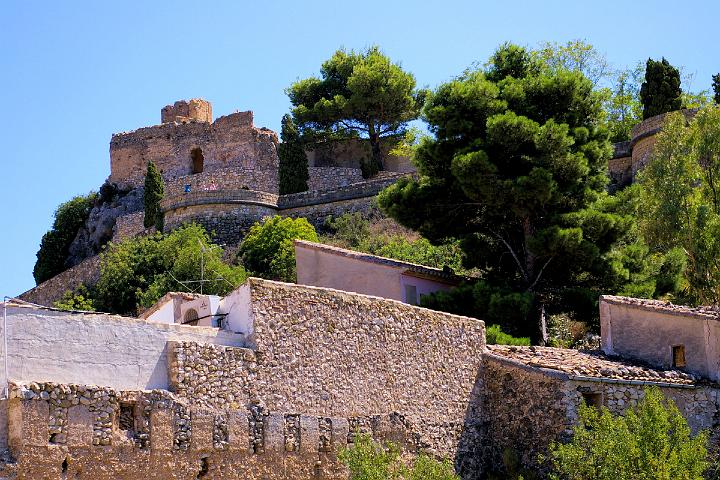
x=198, y=160
x=678, y=352
x=411, y=294
x=592, y=399
x=127, y=417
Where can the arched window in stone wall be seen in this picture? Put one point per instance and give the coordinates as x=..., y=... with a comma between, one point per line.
x=191, y=317
x=198, y=160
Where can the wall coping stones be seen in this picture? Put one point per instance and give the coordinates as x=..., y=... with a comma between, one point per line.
x=703, y=313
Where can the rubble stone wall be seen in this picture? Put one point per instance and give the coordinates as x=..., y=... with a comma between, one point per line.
x=129, y=226
x=66, y=430
x=230, y=141
x=86, y=272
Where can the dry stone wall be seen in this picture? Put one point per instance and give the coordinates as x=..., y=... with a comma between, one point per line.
x=64, y=431
x=48, y=292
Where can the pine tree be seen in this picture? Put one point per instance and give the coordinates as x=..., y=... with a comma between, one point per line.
x=154, y=191
x=293, y=161
x=660, y=92
x=716, y=87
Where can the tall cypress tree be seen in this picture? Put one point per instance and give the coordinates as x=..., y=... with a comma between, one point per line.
x=154, y=191
x=293, y=161
x=660, y=92
x=716, y=87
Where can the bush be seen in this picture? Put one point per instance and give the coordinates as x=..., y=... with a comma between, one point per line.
x=650, y=441
x=369, y=460
x=268, y=250
x=495, y=336
x=137, y=272
x=53, y=252
x=80, y=299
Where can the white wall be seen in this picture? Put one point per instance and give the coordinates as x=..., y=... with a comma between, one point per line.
x=95, y=349
x=236, y=307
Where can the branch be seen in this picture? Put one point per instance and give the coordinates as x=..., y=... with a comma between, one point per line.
x=512, y=252
x=540, y=273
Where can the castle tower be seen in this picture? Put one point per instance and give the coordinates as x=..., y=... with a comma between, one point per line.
x=195, y=109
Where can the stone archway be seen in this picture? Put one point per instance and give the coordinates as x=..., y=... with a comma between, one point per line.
x=198, y=160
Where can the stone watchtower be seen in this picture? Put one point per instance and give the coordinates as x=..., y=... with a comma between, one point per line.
x=182, y=111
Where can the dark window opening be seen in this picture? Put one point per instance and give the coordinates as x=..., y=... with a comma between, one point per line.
x=592, y=399
x=411, y=294
x=191, y=317
x=127, y=417
x=678, y=352
x=198, y=161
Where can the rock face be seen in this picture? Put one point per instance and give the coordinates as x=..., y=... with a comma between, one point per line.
x=98, y=229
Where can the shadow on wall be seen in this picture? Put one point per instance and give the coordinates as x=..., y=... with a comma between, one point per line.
x=471, y=452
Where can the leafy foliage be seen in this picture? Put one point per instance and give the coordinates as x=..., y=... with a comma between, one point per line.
x=650, y=441
x=716, y=87
x=154, y=191
x=575, y=55
x=293, y=171
x=370, y=460
x=137, y=272
x=381, y=236
x=660, y=92
x=623, y=109
x=69, y=218
x=80, y=299
x=360, y=94
x=268, y=249
x=680, y=198
x=495, y=336
x=515, y=171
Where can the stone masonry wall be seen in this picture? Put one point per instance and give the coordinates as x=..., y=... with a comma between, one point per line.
x=230, y=141
x=330, y=353
x=129, y=226
x=69, y=431
x=48, y=292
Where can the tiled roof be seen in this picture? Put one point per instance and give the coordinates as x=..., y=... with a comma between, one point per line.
x=658, y=305
x=589, y=365
x=446, y=275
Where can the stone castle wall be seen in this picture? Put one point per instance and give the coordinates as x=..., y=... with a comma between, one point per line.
x=129, y=226
x=350, y=153
x=65, y=431
x=230, y=141
x=185, y=110
x=86, y=272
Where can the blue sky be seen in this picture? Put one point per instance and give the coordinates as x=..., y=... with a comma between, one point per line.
x=72, y=73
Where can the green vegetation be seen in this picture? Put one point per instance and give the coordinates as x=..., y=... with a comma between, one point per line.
x=293, y=171
x=53, y=253
x=660, y=92
x=517, y=172
x=80, y=299
x=154, y=191
x=381, y=236
x=650, y=441
x=370, y=460
x=680, y=201
x=268, y=250
x=495, y=336
x=360, y=94
x=137, y=272
x=716, y=87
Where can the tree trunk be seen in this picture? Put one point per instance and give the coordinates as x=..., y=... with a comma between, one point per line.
x=377, y=156
x=538, y=323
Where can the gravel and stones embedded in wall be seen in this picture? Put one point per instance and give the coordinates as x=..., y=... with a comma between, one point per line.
x=229, y=178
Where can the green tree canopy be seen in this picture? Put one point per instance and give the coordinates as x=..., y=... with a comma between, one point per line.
x=515, y=170
x=650, y=441
x=268, y=250
x=138, y=271
x=293, y=170
x=716, y=87
x=53, y=252
x=660, y=92
x=154, y=191
x=359, y=94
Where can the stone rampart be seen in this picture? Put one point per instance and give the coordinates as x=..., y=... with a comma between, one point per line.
x=326, y=178
x=64, y=431
x=185, y=110
x=86, y=272
x=230, y=178
x=129, y=226
x=180, y=149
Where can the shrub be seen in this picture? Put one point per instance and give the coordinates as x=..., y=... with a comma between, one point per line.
x=650, y=441
x=137, y=272
x=660, y=92
x=80, y=299
x=53, y=252
x=369, y=460
x=268, y=250
x=495, y=336
x=293, y=171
